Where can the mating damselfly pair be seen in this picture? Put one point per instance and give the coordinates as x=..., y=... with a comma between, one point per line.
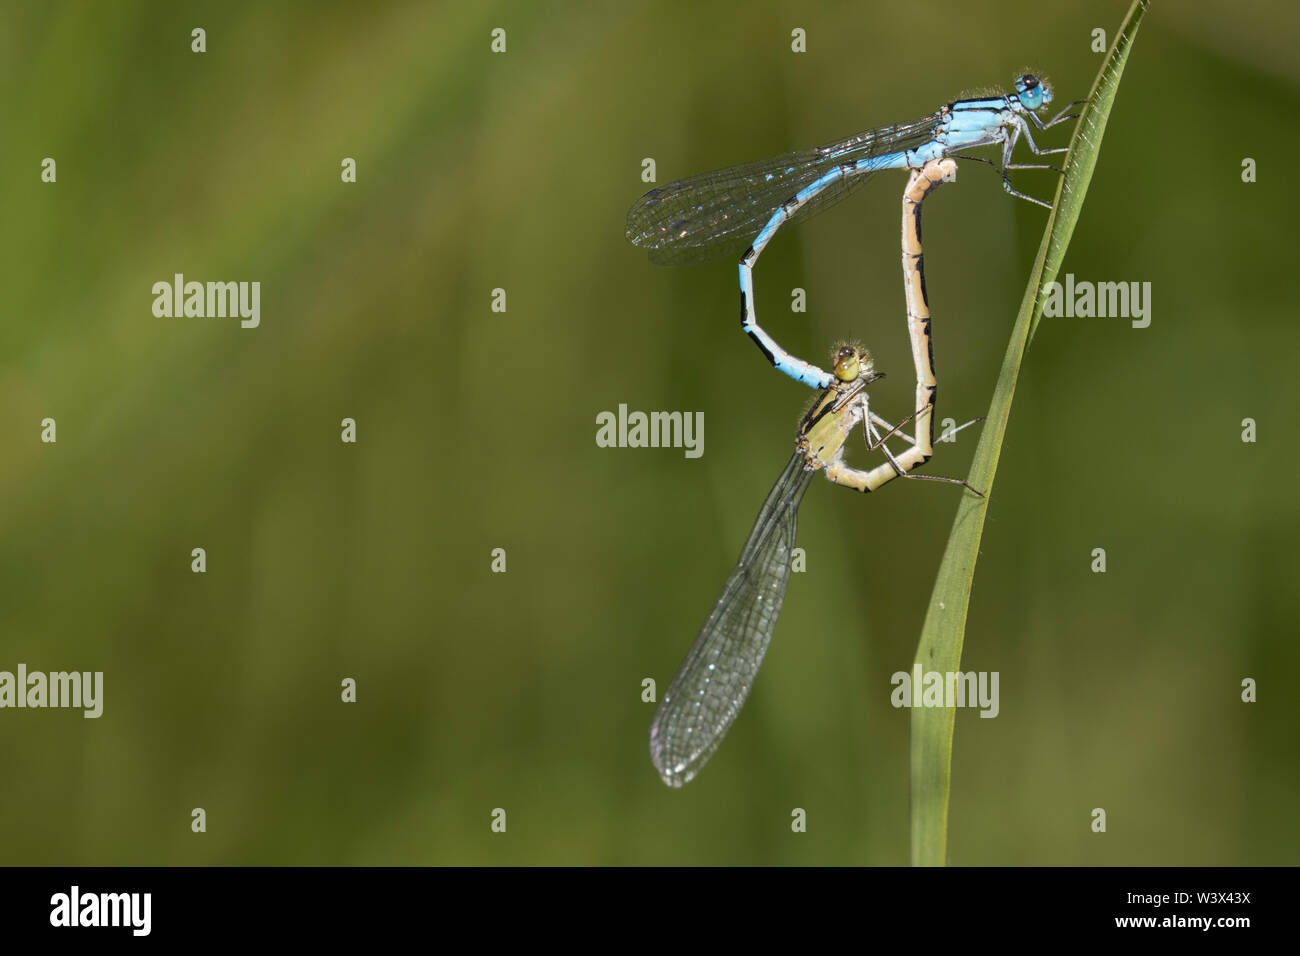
x=704, y=216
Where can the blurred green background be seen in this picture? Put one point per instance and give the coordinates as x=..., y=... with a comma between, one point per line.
x=477, y=431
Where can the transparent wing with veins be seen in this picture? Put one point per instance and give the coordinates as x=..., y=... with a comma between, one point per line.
x=720, y=212
x=715, y=678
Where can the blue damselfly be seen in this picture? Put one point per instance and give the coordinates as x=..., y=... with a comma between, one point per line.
x=742, y=207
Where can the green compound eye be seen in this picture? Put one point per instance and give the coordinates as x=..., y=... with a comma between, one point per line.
x=848, y=364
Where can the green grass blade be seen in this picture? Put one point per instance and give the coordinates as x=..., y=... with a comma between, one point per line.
x=945, y=620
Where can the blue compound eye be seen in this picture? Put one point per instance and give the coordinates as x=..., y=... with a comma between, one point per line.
x=1032, y=92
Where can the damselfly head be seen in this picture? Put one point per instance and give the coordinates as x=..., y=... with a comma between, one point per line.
x=853, y=363
x=1032, y=91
